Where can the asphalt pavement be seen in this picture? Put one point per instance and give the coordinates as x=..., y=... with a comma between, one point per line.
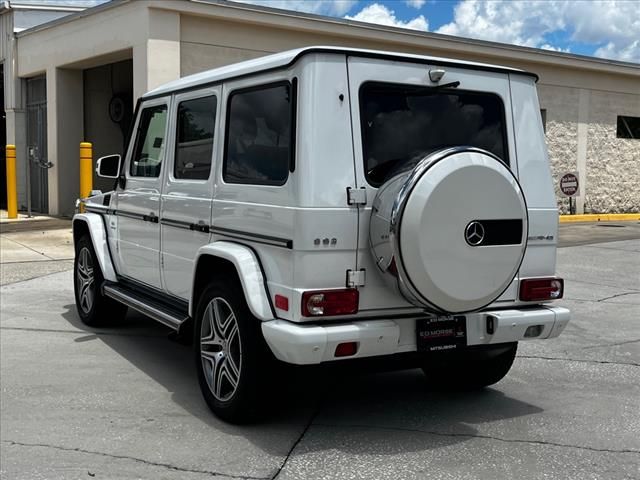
x=123, y=402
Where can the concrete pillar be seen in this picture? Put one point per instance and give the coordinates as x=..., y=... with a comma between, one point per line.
x=583, y=124
x=156, y=60
x=16, y=119
x=64, y=134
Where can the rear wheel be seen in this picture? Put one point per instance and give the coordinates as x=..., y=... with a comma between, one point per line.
x=470, y=369
x=231, y=354
x=93, y=307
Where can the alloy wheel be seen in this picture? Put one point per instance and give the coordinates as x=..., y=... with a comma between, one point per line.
x=85, y=280
x=220, y=349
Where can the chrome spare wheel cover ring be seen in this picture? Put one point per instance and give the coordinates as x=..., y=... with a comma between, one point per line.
x=85, y=280
x=220, y=349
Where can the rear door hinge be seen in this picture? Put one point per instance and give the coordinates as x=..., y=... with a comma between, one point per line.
x=356, y=278
x=356, y=196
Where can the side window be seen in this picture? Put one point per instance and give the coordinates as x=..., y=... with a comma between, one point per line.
x=194, y=138
x=259, y=142
x=628, y=127
x=149, y=147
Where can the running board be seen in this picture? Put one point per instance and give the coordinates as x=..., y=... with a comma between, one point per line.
x=172, y=318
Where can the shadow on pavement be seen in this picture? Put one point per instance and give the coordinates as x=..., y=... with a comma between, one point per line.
x=341, y=401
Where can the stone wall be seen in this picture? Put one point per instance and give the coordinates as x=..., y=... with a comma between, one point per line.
x=561, y=104
x=611, y=173
x=613, y=164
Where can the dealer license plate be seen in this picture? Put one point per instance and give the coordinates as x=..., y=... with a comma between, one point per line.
x=445, y=333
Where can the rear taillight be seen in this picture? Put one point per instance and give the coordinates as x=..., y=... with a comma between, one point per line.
x=329, y=302
x=539, y=289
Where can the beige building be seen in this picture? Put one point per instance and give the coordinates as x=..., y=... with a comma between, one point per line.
x=77, y=77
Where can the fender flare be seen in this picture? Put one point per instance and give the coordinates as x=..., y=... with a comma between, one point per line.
x=95, y=225
x=250, y=273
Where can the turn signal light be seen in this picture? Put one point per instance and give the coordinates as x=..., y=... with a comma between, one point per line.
x=539, y=289
x=330, y=302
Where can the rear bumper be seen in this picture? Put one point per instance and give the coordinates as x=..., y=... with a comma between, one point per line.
x=313, y=344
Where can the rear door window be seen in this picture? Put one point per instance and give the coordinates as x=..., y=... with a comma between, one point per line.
x=402, y=124
x=194, y=138
x=259, y=141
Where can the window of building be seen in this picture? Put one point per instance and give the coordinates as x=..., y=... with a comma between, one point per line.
x=543, y=115
x=259, y=137
x=149, y=147
x=628, y=127
x=194, y=138
x=401, y=124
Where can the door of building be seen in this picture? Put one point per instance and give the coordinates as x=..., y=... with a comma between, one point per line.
x=37, y=143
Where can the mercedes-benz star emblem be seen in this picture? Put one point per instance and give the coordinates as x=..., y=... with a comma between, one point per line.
x=474, y=233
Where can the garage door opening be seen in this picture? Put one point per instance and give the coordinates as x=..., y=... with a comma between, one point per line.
x=108, y=110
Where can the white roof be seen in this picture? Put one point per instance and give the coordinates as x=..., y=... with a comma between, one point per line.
x=284, y=59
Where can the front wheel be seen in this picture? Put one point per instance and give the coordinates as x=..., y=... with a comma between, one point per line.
x=94, y=309
x=471, y=369
x=231, y=354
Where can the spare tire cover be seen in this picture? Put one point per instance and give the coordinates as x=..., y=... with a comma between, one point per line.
x=452, y=232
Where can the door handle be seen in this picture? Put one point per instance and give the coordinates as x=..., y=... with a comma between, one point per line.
x=201, y=226
x=152, y=217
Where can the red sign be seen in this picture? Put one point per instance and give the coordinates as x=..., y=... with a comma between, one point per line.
x=569, y=184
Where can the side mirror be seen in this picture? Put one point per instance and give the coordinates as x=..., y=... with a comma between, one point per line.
x=108, y=167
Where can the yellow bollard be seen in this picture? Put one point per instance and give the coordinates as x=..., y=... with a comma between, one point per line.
x=86, y=171
x=12, y=188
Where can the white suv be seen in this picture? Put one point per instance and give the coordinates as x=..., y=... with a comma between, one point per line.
x=328, y=204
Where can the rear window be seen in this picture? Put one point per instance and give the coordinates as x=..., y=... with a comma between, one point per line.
x=402, y=124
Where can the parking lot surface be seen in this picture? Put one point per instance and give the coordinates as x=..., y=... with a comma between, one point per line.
x=123, y=402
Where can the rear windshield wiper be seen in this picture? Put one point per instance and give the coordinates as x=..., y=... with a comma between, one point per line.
x=445, y=85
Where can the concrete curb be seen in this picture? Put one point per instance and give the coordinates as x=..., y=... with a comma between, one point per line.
x=600, y=217
x=41, y=223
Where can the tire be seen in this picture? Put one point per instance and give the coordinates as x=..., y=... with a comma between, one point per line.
x=231, y=356
x=94, y=309
x=472, y=369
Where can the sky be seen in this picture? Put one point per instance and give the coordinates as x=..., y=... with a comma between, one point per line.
x=600, y=28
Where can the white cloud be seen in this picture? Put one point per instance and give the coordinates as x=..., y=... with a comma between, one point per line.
x=627, y=53
x=553, y=48
x=520, y=23
x=614, y=25
x=322, y=7
x=417, y=4
x=380, y=14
